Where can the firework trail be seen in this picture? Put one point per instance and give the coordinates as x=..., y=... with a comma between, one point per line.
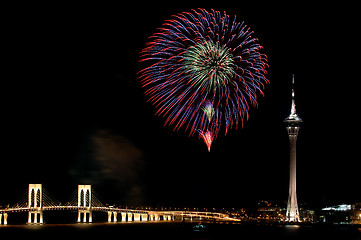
x=204, y=70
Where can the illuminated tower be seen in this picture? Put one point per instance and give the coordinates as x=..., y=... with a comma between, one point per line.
x=293, y=122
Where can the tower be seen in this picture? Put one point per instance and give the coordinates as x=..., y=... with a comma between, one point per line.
x=35, y=203
x=84, y=202
x=293, y=122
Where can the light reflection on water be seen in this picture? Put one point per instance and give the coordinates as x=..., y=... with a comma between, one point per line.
x=35, y=226
x=292, y=226
x=179, y=230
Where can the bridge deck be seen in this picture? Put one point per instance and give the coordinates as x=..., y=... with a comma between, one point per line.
x=193, y=214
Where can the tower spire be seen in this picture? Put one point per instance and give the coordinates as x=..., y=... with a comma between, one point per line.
x=293, y=107
x=293, y=115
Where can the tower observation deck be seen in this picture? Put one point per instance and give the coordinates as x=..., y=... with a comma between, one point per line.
x=293, y=123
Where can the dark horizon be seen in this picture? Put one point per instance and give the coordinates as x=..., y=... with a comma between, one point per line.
x=74, y=112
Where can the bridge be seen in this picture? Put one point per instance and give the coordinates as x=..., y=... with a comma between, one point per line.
x=85, y=201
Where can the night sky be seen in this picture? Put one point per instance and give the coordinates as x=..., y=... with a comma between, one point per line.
x=74, y=113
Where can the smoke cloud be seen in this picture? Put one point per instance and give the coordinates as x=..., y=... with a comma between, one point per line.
x=113, y=163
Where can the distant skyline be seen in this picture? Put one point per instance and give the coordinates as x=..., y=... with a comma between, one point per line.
x=74, y=112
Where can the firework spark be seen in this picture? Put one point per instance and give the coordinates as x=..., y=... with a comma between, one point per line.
x=204, y=72
x=208, y=110
x=207, y=138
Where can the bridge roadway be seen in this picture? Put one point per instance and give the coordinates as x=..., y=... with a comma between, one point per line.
x=128, y=215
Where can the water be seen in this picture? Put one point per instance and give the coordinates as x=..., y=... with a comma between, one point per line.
x=179, y=230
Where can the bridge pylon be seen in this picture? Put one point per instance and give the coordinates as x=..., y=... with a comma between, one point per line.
x=35, y=203
x=114, y=214
x=5, y=218
x=85, y=203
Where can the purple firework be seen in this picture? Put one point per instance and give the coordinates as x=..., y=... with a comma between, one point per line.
x=204, y=72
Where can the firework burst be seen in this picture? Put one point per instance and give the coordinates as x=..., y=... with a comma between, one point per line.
x=204, y=72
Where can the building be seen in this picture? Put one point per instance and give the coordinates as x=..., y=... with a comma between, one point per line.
x=342, y=214
x=270, y=211
x=293, y=122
